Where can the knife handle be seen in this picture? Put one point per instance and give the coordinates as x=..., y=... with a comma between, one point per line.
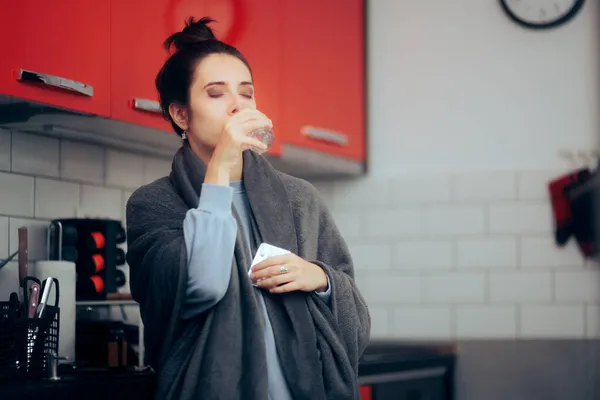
x=22, y=260
x=34, y=296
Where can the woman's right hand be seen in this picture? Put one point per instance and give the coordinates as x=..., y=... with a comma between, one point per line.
x=234, y=138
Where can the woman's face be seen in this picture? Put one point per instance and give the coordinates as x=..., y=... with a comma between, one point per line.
x=222, y=86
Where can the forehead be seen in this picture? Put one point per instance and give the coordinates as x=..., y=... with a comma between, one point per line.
x=221, y=68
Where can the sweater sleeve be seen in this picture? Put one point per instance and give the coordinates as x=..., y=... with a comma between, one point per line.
x=326, y=295
x=209, y=232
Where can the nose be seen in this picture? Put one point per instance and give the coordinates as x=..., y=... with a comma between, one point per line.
x=236, y=105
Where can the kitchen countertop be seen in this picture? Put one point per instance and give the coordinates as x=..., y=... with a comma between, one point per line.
x=381, y=359
x=407, y=349
x=89, y=384
x=384, y=357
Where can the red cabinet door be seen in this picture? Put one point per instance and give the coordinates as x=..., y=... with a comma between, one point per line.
x=259, y=39
x=139, y=30
x=57, y=52
x=323, y=83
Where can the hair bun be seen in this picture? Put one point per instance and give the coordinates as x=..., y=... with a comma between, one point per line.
x=194, y=33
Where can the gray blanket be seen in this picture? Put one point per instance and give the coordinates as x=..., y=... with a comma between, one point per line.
x=221, y=353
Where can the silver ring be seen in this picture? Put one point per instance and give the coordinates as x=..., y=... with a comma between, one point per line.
x=283, y=270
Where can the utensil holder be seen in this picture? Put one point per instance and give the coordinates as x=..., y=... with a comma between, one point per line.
x=25, y=343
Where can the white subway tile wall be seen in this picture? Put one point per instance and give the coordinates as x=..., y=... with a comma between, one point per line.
x=82, y=162
x=35, y=155
x=4, y=150
x=439, y=257
x=43, y=178
x=3, y=237
x=465, y=256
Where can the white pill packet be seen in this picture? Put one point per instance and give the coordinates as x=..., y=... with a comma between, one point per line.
x=265, y=251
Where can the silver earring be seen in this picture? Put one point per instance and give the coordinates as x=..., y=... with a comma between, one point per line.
x=183, y=136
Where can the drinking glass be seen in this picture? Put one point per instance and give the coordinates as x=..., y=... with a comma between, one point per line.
x=265, y=135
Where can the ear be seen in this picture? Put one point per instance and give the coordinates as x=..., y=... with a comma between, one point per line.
x=179, y=114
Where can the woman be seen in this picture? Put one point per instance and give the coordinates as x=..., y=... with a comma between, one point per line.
x=292, y=328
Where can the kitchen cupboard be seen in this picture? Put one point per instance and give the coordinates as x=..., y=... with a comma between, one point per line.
x=57, y=53
x=434, y=388
x=395, y=370
x=138, y=33
x=307, y=57
x=260, y=41
x=323, y=84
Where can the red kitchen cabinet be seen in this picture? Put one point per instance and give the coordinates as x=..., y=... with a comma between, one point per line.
x=365, y=392
x=138, y=33
x=259, y=40
x=57, y=52
x=323, y=83
x=138, y=30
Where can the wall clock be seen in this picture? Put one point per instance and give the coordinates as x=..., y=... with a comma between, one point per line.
x=541, y=14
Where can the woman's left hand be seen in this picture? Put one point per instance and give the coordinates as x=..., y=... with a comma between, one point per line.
x=287, y=273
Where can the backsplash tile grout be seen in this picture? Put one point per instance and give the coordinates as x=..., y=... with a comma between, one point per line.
x=476, y=252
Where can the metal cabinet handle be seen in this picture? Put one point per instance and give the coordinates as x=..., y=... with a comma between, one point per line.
x=147, y=105
x=325, y=135
x=403, y=376
x=55, y=81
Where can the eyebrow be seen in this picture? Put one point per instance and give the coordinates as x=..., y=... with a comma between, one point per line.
x=221, y=83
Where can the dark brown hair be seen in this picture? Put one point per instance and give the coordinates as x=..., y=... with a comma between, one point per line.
x=192, y=44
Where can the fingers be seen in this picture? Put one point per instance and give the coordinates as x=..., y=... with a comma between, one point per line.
x=271, y=261
x=236, y=133
x=247, y=115
x=243, y=123
x=252, y=125
x=257, y=123
x=271, y=271
x=251, y=142
x=274, y=281
x=251, y=120
x=267, y=274
x=288, y=287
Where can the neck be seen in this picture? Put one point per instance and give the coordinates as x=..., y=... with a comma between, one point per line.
x=205, y=154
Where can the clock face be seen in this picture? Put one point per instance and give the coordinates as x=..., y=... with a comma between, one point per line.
x=541, y=13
